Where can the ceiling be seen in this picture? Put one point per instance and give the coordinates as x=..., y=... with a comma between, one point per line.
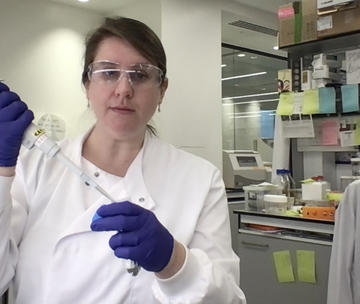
x=101, y=6
x=265, y=5
x=105, y=6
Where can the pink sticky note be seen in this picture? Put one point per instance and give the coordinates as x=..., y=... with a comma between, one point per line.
x=329, y=133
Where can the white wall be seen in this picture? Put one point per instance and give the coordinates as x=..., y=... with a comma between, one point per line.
x=41, y=57
x=147, y=11
x=191, y=33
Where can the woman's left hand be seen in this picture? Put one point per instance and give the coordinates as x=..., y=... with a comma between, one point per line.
x=140, y=238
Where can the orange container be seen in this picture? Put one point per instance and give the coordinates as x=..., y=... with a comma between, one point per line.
x=319, y=213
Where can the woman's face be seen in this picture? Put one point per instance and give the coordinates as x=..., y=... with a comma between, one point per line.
x=122, y=107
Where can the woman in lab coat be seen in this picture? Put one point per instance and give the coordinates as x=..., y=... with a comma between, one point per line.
x=62, y=242
x=344, y=272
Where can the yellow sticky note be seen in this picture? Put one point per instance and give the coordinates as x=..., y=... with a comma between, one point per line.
x=283, y=266
x=357, y=132
x=311, y=102
x=306, y=266
x=286, y=104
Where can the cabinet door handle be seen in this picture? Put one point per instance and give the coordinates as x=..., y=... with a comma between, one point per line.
x=255, y=244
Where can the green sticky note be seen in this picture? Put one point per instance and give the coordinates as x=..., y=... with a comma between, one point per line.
x=286, y=104
x=283, y=266
x=327, y=100
x=306, y=266
x=357, y=132
x=311, y=102
x=350, y=98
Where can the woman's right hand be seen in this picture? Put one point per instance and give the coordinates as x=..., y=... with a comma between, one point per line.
x=15, y=117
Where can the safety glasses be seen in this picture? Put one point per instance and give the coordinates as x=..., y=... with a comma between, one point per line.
x=140, y=76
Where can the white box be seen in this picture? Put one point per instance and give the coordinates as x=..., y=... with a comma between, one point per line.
x=314, y=191
x=324, y=71
x=320, y=83
x=324, y=59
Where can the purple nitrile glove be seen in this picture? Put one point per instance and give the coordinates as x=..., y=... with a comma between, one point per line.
x=140, y=238
x=14, y=120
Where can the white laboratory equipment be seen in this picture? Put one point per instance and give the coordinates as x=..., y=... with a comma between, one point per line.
x=36, y=137
x=243, y=167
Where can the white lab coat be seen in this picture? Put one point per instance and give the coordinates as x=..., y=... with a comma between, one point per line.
x=344, y=274
x=55, y=258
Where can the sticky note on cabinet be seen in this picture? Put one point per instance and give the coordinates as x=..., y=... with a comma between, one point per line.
x=350, y=98
x=286, y=104
x=311, y=102
x=306, y=266
x=283, y=266
x=327, y=100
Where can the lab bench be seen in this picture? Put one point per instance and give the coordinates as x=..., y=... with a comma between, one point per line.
x=256, y=247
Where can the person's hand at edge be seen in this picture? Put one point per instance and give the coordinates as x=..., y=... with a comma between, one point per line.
x=15, y=117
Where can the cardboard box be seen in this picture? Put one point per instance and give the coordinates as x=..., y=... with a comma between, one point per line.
x=309, y=20
x=286, y=19
x=340, y=22
x=297, y=22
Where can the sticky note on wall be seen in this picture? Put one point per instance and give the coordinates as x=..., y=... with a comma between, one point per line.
x=311, y=102
x=327, y=100
x=286, y=104
x=283, y=266
x=306, y=266
x=329, y=132
x=350, y=98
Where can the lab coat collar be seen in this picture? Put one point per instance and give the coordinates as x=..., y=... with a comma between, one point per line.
x=133, y=181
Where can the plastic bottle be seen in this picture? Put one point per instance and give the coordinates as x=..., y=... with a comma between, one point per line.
x=283, y=181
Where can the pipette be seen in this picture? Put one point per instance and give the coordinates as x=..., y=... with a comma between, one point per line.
x=36, y=137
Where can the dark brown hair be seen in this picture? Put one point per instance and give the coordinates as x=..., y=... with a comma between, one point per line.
x=138, y=34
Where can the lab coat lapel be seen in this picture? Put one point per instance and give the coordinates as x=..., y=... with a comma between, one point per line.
x=134, y=180
x=135, y=190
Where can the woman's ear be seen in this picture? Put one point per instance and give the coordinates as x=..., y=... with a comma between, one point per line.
x=164, y=87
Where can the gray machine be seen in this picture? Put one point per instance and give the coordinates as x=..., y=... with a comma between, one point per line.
x=243, y=167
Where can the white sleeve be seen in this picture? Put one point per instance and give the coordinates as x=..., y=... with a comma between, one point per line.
x=211, y=270
x=342, y=253
x=12, y=223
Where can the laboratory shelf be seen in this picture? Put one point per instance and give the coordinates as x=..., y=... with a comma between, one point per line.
x=330, y=44
x=286, y=222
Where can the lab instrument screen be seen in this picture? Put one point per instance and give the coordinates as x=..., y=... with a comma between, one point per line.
x=247, y=161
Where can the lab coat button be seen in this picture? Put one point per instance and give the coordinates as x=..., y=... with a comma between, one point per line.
x=141, y=199
x=96, y=174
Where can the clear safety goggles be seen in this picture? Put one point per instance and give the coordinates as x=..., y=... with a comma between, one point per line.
x=140, y=76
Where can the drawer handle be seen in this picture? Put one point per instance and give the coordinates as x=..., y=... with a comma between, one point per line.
x=255, y=244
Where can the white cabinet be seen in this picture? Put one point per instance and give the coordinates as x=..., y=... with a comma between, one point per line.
x=255, y=248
